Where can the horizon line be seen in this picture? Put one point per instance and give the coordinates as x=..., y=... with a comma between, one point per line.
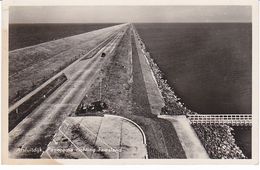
x=123, y=22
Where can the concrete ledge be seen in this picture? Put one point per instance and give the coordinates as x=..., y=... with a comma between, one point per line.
x=154, y=95
x=189, y=140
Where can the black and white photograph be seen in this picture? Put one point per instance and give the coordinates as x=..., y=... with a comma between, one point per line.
x=132, y=82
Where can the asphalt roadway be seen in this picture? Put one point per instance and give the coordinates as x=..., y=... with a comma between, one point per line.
x=32, y=135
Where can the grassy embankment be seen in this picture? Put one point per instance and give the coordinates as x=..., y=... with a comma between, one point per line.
x=17, y=115
x=217, y=140
x=24, y=35
x=32, y=66
x=123, y=90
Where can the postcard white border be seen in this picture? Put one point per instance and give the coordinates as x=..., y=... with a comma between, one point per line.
x=255, y=78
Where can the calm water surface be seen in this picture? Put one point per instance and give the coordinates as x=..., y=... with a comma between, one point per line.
x=208, y=65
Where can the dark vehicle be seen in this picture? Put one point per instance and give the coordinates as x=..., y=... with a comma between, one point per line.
x=87, y=109
x=103, y=54
x=97, y=106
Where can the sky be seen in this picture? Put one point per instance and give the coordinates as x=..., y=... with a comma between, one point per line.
x=132, y=14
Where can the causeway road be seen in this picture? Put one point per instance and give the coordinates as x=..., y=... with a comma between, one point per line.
x=32, y=135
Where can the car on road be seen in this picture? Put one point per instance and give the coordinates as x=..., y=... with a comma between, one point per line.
x=103, y=54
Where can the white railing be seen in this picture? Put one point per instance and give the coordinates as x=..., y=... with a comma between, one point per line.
x=221, y=119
